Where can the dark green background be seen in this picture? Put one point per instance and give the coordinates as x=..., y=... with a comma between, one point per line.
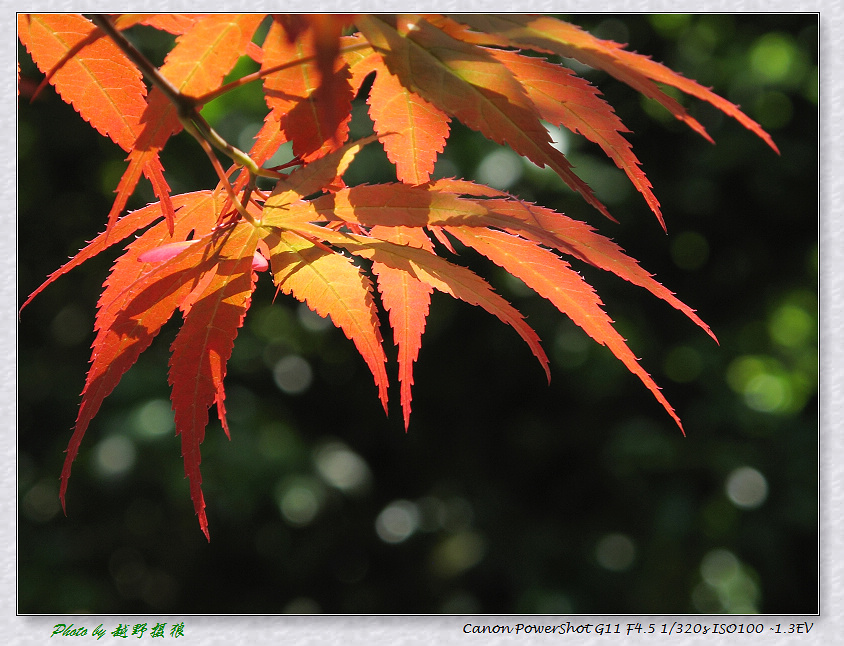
x=579, y=497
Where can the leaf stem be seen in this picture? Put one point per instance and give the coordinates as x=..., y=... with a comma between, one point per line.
x=235, y=154
x=190, y=126
x=256, y=76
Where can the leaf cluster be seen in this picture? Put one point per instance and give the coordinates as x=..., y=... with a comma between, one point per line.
x=344, y=251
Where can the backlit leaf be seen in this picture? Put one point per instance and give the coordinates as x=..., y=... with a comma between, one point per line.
x=350, y=253
x=203, y=346
x=332, y=286
x=407, y=299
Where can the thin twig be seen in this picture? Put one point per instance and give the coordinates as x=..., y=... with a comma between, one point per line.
x=189, y=126
x=256, y=76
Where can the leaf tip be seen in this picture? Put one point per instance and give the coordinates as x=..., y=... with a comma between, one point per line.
x=406, y=415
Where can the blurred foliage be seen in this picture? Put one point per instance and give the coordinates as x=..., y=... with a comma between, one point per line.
x=506, y=495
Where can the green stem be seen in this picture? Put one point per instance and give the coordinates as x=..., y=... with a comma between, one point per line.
x=241, y=208
x=235, y=154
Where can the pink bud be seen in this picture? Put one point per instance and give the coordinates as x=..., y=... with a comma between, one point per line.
x=171, y=250
x=165, y=251
x=259, y=263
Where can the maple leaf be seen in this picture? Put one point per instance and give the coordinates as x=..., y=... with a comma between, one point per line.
x=212, y=314
x=407, y=300
x=564, y=99
x=331, y=285
x=412, y=130
x=101, y=83
x=468, y=82
x=546, y=34
x=174, y=23
x=554, y=280
x=475, y=223
x=210, y=278
x=136, y=301
x=568, y=236
x=347, y=252
x=204, y=53
x=313, y=102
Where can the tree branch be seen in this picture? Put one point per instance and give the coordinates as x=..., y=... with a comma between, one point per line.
x=186, y=107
